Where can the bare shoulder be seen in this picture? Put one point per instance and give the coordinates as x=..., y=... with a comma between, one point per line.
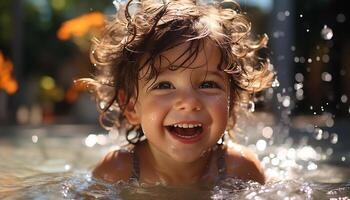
x=115, y=166
x=244, y=164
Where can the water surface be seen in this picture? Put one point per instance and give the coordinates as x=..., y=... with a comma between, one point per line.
x=55, y=163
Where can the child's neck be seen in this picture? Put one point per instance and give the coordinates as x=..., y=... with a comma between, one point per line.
x=165, y=170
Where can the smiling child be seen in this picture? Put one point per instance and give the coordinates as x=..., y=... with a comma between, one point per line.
x=174, y=74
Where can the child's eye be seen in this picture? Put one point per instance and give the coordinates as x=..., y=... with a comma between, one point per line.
x=209, y=84
x=163, y=85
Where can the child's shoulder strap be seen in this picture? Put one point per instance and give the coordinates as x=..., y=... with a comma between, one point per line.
x=135, y=173
x=221, y=164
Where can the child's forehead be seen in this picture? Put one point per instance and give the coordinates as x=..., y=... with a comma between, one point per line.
x=201, y=54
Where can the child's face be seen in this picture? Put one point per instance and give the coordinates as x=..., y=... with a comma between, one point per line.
x=184, y=112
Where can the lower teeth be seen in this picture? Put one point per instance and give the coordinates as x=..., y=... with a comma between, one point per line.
x=185, y=133
x=186, y=136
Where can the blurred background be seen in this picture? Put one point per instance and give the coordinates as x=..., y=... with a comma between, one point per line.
x=44, y=46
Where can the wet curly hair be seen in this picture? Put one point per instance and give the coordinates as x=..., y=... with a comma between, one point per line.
x=154, y=26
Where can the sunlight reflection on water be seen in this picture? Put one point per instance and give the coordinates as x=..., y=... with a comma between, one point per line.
x=40, y=165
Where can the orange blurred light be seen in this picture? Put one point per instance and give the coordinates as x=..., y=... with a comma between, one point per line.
x=7, y=82
x=80, y=25
x=74, y=90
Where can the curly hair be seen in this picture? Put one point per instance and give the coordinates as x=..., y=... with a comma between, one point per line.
x=154, y=26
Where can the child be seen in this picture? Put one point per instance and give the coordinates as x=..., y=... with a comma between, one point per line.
x=173, y=74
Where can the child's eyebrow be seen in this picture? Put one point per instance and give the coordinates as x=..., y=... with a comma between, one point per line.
x=219, y=74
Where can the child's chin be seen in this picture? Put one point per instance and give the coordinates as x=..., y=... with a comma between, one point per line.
x=189, y=156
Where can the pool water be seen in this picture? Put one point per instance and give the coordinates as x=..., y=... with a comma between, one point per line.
x=55, y=162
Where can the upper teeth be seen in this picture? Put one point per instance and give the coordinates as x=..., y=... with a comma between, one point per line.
x=187, y=125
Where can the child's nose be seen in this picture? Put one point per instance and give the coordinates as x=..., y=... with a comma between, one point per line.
x=188, y=101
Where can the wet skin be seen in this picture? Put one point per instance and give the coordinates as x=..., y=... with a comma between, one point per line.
x=183, y=114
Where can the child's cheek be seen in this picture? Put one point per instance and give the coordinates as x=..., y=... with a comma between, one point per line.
x=153, y=112
x=219, y=102
x=219, y=109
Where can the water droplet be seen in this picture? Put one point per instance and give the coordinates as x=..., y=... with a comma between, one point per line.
x=311, y=107
x=309, y=60
x=91, y=140
x=298, y=86
x=261, y=145
x=102, y=105
x=102, y=139
x=318, y=58
x=329, y=123
x=325, y=58
x=318, y=134
x=292, y=48
x=286, y=101
x=279, y=97
x=326, y=33
x=326, y=77
x=300, y=94
x=307, y=153
x=275, y=161
x=334, y=138
x=343, y=158
x=307, y=30
x=301, y=15
x=311, y=166
x=329, y=151
x=296, y=59
x=251, y=106
x=275, y=83
x=302, y=59
x=271, y=67
x=67, y=167
x=266, y=160
x=341, y=18
x=35, y=138
x=299, y=77
x=344, y=98
x=267, y=132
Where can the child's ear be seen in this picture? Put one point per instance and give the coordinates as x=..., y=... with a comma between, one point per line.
x=129, y=111
x=131, y=114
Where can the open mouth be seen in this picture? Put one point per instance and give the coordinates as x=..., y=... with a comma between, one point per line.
x=186, y=133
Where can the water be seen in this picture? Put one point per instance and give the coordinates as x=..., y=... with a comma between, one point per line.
x=55, y=162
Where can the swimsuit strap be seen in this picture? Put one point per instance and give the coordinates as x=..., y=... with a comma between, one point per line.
x=221, y=164
x=135, y=173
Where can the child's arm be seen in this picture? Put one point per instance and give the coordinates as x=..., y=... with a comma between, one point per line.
x=242, y=163
x=115, y=166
